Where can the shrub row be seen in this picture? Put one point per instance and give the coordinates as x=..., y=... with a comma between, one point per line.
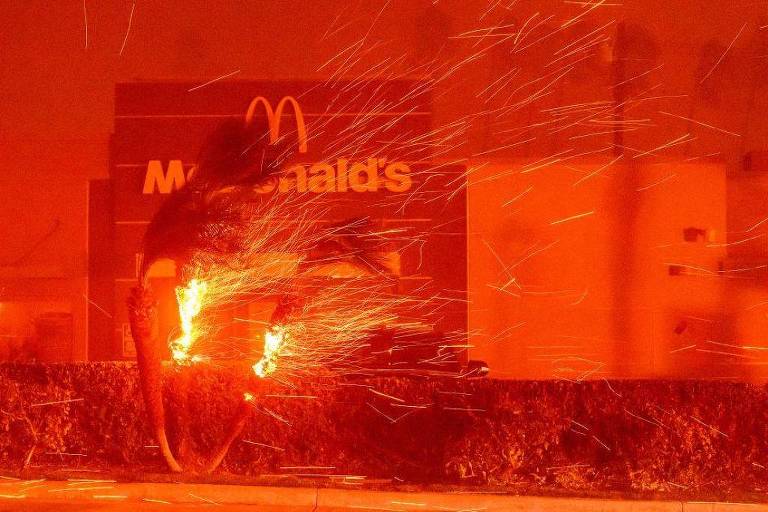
x=680, y=436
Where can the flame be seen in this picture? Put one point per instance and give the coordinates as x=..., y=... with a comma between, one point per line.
x=190, y=300
x=274, y=339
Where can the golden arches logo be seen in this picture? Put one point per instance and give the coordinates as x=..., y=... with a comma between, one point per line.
x=274, y=116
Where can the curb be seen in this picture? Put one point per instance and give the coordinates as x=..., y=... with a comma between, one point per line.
x=15, y=494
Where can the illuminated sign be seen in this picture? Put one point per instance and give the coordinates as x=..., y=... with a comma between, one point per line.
x=370, y=176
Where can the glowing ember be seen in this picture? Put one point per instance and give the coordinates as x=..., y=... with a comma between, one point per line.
x=274, y=339
x=190, y=300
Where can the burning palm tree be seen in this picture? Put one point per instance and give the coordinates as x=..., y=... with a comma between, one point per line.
x=230, y=241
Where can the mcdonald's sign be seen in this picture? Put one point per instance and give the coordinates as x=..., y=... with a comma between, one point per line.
x=372, y=175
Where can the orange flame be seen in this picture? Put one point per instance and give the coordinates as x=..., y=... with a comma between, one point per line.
x=274, y=339
x=190, y=300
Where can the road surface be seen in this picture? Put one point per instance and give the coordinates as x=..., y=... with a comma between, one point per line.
x=110, y=496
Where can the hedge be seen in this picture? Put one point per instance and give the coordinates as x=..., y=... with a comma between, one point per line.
x=695, y=438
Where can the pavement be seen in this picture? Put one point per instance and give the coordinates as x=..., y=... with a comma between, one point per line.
x=106, y=495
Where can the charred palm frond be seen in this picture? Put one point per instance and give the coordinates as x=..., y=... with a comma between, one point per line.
x=210, y=212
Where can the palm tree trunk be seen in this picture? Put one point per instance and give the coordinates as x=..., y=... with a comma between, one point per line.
x=141, y=313
x=235, y=429
x=184, y=448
